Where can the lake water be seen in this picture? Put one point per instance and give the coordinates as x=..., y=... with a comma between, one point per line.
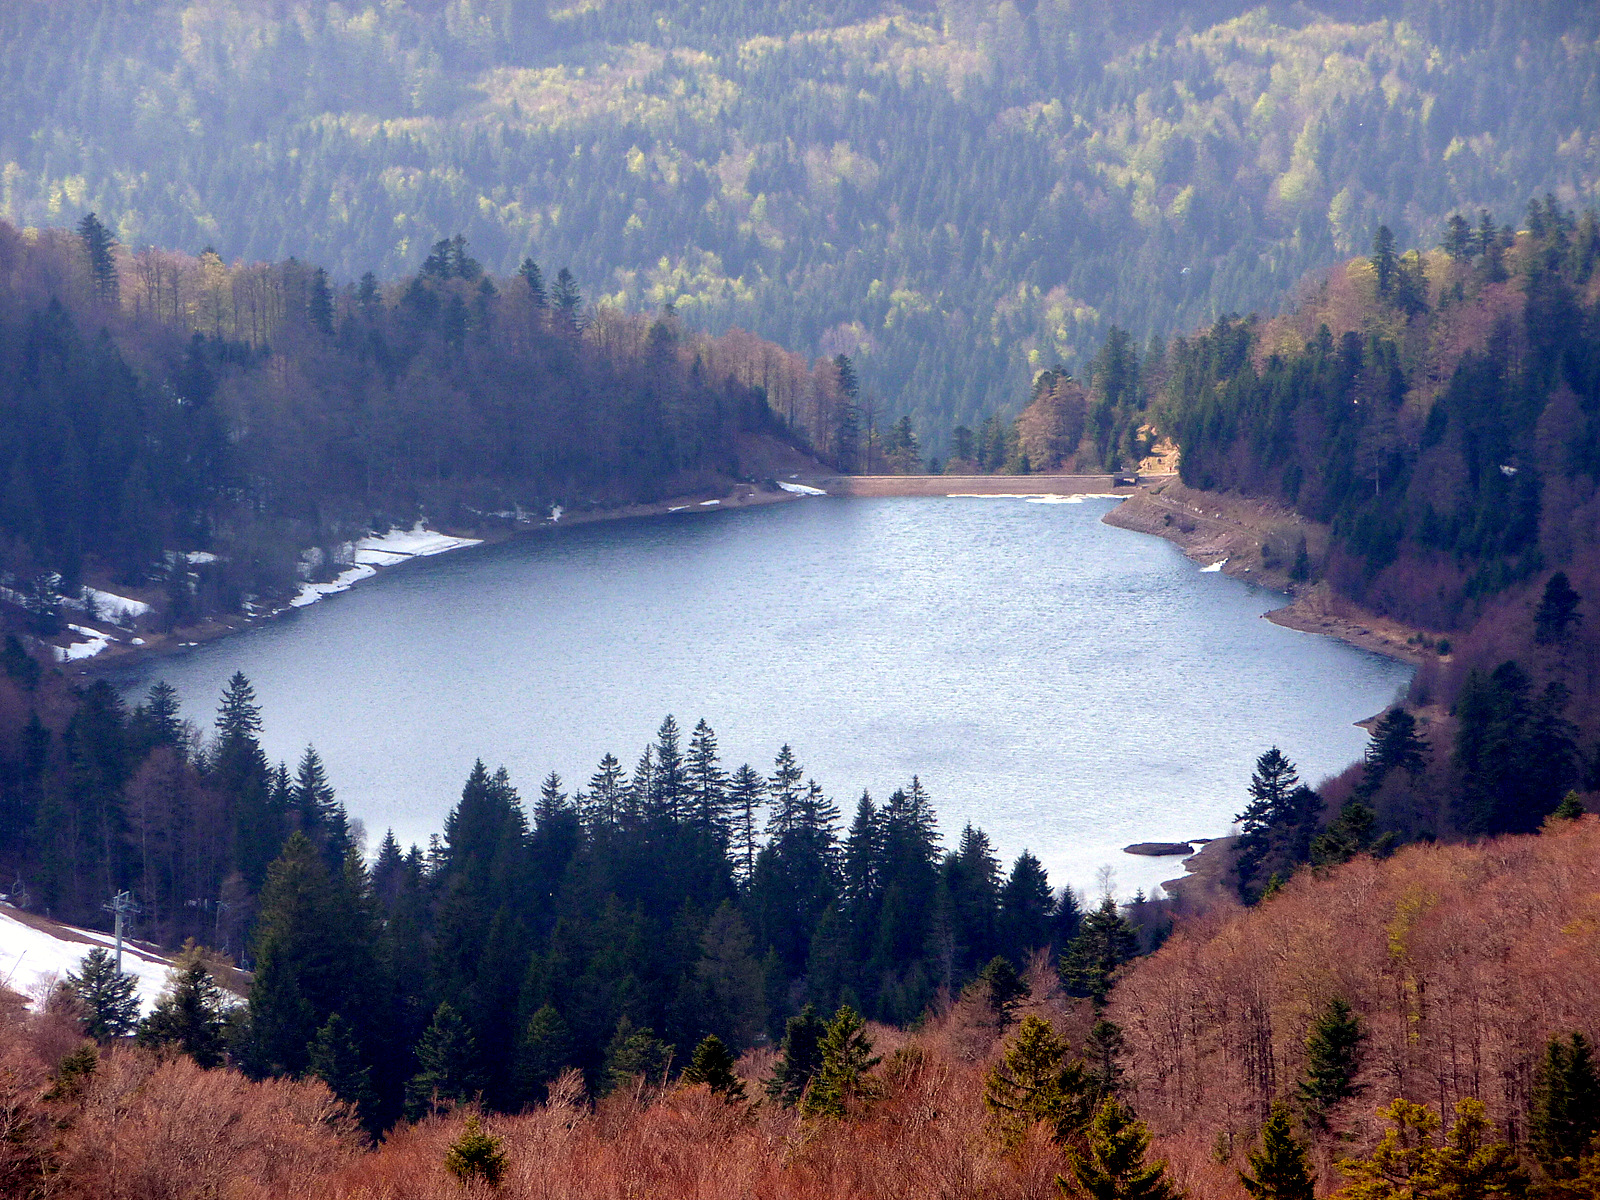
x=1066, y=686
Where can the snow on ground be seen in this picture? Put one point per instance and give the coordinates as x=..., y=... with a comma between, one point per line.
x=96, y=642
x=555, y=512
x=381, y=550
x=120, y=610
x=708, y=503
x=1216, y=566
x=31, y=957
x=201, y=557
x=800, y=489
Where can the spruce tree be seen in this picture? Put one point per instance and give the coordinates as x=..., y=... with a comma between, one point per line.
x=1557, y=612
x=1564, y=1117
x=319, y=302
x=707, y=784
x=534, y=278
x=1026, y=902
x=1006, y=988
x=336, y=1060
x=98, y=247
x=607, y=788
x=634, y=1054
x=1113, y=1166
x=745, y=792
x=476, y=1156
x=799, y=1057
x=712, y=1065
x=447, y=1062
x=543, y=1052
x=110, y=1003
x=841, y=1078
x=1037, y=1079
x=1333, y=1049
x=1279, y=1169
x=1105, y=941
x=190, y=1014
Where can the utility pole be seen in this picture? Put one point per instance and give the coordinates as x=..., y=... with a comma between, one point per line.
x=122, y=906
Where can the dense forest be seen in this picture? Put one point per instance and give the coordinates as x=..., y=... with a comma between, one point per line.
x=955, y=195
x=1418, y=1027
x=211, y=433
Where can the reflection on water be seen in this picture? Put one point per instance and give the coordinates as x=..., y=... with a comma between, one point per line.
x=1067, y=686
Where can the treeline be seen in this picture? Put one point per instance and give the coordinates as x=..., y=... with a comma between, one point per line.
x=957, y=197
x=623, y=920
x=193, y=427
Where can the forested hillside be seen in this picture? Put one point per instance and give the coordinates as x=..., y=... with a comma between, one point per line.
x=211, y=433
x=956, y=195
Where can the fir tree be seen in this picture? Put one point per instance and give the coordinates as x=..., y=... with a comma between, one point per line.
x=567, y=305
x=319, y=302
x=110, y=1002
x=1333, y=1050
x=712, y=1065
x=634, y=1054
x=543, y=1052
x=799, y=1057
x=1101, y=1050
x=1114, y=1167
x=190, y=1014
x=1557, y=612
x=707, y=783
x=447, y=1062
x=336, y=1060
x=534, y=278
x=1006, y=988
x=607, y=788
x=476, y=1156
x=1384, y=260
x=745, y=791
x=98, y=247
x=1279, y=1169
x=1278, y=825
x=841, y=1078
x=1026, y=902
x=1105, y=941
x=1037, y=1079
x=1564, y=1117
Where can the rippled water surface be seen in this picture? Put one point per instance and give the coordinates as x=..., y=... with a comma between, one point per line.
x=1067, y=686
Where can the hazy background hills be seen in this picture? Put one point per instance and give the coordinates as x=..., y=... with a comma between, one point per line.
x=954, y=194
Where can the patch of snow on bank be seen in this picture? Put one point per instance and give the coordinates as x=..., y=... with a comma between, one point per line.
x=120, y=610
x=310, y=593
x=555, y=512
x=201, y=557
x=30, y=957
x=800, y=489
x=381, y=550
x=708, y=503
x=678, y=508
x=96, y=642
x=1214, y=567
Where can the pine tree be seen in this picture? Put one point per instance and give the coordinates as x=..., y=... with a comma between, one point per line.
x=707, y=783
x=1278, y=825
x=1333, y=1051
x=1280, y=1169
x=475, y=1155
x=336, y=1060
x=712, y=1065
x=799, y=1057
x=1564, y=1117
x=190, y=1014
x=1114, y=1167
x=841, y=1078
x=447, y=1061
x=108, y=996
x=784, y=789
x=1037, y=1079
x=1105, y=941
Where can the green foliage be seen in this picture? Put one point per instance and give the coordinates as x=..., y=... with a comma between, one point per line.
x=1006, y=988
x=1279, y=1168
x=841, y=1080
x=543, y=1052
x=1113, y=1167
x=476, y=1155
x=799, y=1057
x=336, y=1060
x=1277, y=826
x=1564, y=1117
x=712, y=1065
x=110, y=1005
x=190, y=1016
x=1037, y=1079
x=634, y=1055
x=1557, y=611
x=1333, y=1056
x=447, y=1066
x=1515, y=750
x=1105, y=941
x=1409, y=1164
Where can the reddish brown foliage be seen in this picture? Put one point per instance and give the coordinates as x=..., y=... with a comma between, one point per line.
x=1461, y=961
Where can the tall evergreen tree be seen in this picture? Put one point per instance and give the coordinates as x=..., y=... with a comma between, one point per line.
x=841, y=1078
x=109, y=998
x=1105, y=941
x=712, y=1065
x=1564, y=1118
x=337, y=1061
x=98, y=249
x=1333, y=1055
x=543, y=1052
x=1557, y=612
x=1279, y=1169
x=799, y=1057
x=189, y=1014
x=1026, y=902
x=1037, y=1079
x=1113, y=1166
x=707, y=784
x=745, y=792
x=447, y=1065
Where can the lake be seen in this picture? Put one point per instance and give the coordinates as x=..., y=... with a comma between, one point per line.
x=1067, y=686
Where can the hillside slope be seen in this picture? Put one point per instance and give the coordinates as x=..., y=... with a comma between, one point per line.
x=956, y=194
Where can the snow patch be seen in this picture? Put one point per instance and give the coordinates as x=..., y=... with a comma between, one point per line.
x=555, y=512
x=678, y=508
x=800, y=489
x=708, y=503
x=381, y=550
x=31, y=957
x=119, y=610
x=94, y=643
x=201, y=557
x=1213, y=568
